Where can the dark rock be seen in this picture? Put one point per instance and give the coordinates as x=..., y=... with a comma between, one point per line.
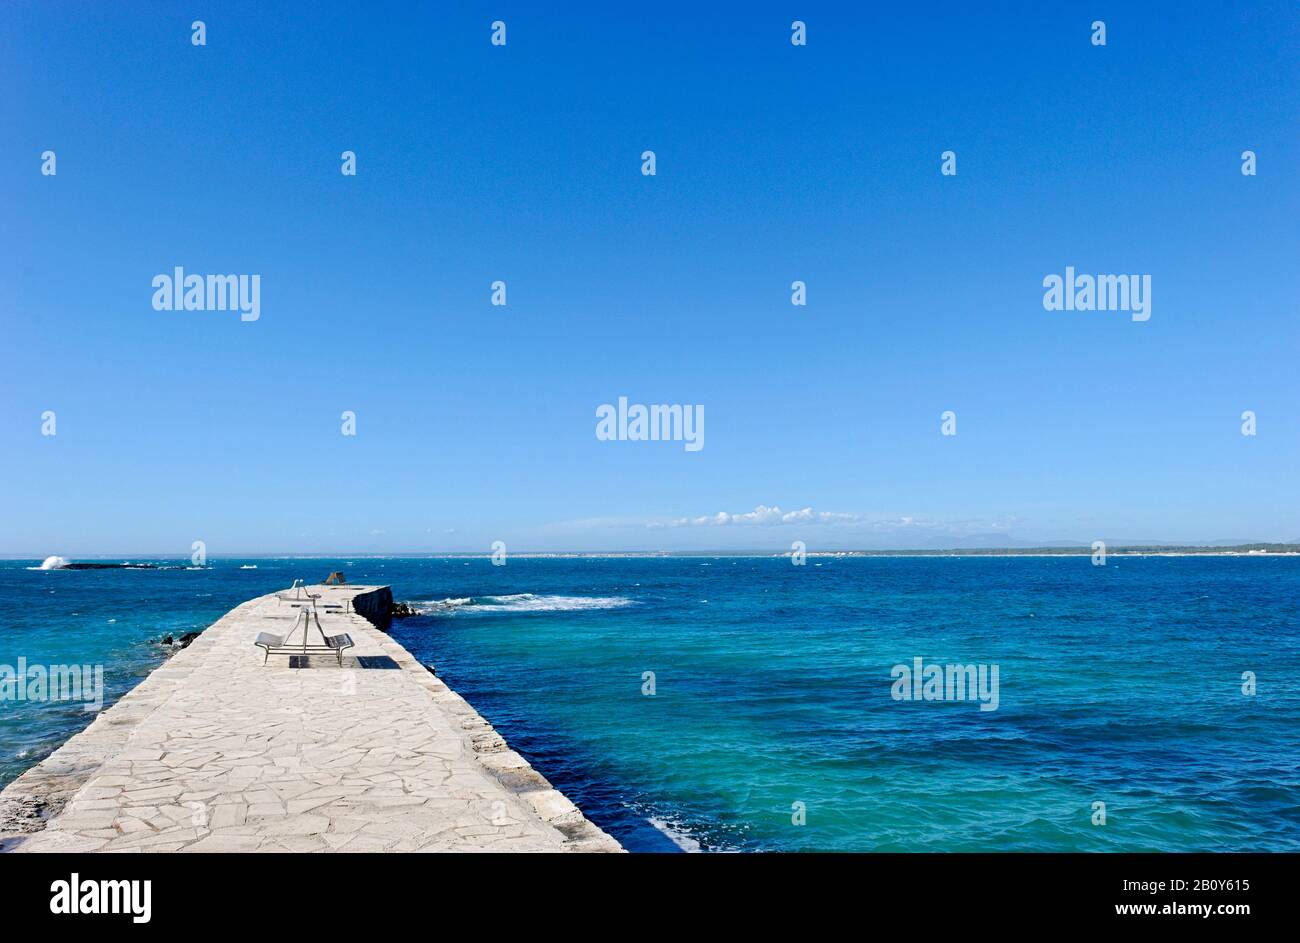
x=404, y=610
x=187, y=638
x=108, y=566
x=166, y=640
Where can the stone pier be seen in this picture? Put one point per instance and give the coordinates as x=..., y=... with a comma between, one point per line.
x=215, y=751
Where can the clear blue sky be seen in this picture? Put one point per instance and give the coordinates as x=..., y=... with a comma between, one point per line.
x=775, y=163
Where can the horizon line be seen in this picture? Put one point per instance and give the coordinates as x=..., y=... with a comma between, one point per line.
x=1052, y=549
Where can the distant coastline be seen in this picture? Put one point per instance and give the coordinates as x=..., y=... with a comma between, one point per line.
x=1243, y=550
x=1130, y=550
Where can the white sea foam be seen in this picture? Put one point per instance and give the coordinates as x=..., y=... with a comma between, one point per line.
x=675, y=833
x=528, y=602
x=524, y=602
x=444, y=605
x=51, y=563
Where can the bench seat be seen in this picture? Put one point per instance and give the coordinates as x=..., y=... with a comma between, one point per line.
x=274, y=645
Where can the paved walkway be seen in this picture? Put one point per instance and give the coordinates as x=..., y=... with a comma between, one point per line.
x=215, y=752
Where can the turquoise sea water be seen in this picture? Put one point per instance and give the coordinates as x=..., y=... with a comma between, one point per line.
x=1120, y=684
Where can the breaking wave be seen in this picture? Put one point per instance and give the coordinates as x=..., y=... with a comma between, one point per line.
x=521, y=602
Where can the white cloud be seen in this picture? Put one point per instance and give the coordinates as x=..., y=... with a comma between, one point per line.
x=773, y=516
x=762, y=515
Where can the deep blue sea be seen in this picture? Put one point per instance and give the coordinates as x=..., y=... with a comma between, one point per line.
x=772, y=725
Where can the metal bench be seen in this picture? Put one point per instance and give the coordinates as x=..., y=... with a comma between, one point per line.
x=281, y=645
x=269, y=642
x=340, y=643
x=300, y=593
x=303, y=596
x=275, y=645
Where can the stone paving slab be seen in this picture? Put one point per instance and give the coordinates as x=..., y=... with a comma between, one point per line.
x=216, y=752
